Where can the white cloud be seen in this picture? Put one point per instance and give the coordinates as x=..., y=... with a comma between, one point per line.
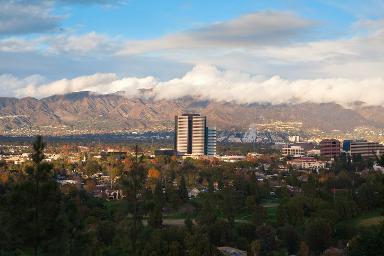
x=14, y=44
x=68, y=44
x=23, y=17
x=208, y=82
x=265, y=43
x=63, y=86
x=91, y=42
x=259, y=28
x=11, y=85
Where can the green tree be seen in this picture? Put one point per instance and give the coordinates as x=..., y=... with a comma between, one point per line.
x=92, y=167
x=318, y=234
x=155, y=216
x=183, y=191
x=370, y=241
x=134, y=186
x=31, y=217
x=303, y=250
x=198, y=244
x=290, y=238
x=267, y=236
x=228, y=207
x=207, y=215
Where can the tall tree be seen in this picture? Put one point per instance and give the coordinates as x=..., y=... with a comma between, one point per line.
x=31, y=210
x=183, y=191
x=134, y=185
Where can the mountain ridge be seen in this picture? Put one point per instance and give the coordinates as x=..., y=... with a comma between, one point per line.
x=86, y=110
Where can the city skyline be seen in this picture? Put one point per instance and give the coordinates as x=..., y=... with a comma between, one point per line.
x=191, y=127
x=257, y=51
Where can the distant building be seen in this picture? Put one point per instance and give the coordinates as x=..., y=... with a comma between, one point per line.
x=114, y=154
x=193, y=137
x=306, y=163
x=164, y=152
x=290, y=150
x=294, y=138
x=363, y=148
x=232, y=159
x=313, y=152
x=330, y=148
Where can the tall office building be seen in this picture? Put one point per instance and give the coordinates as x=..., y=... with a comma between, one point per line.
x=210, y=141
x=330, y=148
x=193, y=137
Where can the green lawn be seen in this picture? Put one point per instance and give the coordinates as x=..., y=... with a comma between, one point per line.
x=367, y=219
x=371, y=221
x=271, y=210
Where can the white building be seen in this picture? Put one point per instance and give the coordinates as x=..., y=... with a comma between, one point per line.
x=193, y=137
x=296, y=151
x=306, y=163
x=294, y=138
x=232, y=159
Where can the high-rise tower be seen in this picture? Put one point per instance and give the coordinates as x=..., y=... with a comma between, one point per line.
x=193, y=137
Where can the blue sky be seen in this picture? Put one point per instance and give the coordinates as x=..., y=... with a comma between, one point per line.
x=59, y=46
x=149, y=19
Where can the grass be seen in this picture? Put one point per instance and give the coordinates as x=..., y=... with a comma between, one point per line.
x=367, y=219
x=371, y=221
x=271, y=206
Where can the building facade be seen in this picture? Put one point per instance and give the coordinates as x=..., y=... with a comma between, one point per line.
x=193, y=137
x=363, y=148
x=330, y=148
x=211, y=140
x=306, y=163
x=296, y=151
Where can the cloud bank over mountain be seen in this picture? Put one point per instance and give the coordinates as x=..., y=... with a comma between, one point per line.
x=208, y=82
x=292, y=53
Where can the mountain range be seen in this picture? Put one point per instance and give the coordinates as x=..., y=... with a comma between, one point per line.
x=111, y=112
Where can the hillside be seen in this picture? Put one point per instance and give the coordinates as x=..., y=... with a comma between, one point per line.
x=88, y=111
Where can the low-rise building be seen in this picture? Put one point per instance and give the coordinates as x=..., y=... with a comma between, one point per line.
x=363, y=148
x=306, y=163
x=233, y=159
x=295, y=151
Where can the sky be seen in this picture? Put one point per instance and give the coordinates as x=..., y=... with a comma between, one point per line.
x=246, y=51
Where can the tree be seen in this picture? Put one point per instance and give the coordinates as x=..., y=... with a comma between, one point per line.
x=188, y=223
x=369, y=241
x=303, y=250
x=92, y=167
x=318, y=234
x=31, y=217
x=255, y=248
x=198, y=244
x=114, y=172
x=183, y=191
x=210, y=185
x=228, y=207
x=290, y=239
x=133, y=184
x=267, y=236
x=155, y=217
x=207, y=215
x=258, y=214
x=369, y=195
